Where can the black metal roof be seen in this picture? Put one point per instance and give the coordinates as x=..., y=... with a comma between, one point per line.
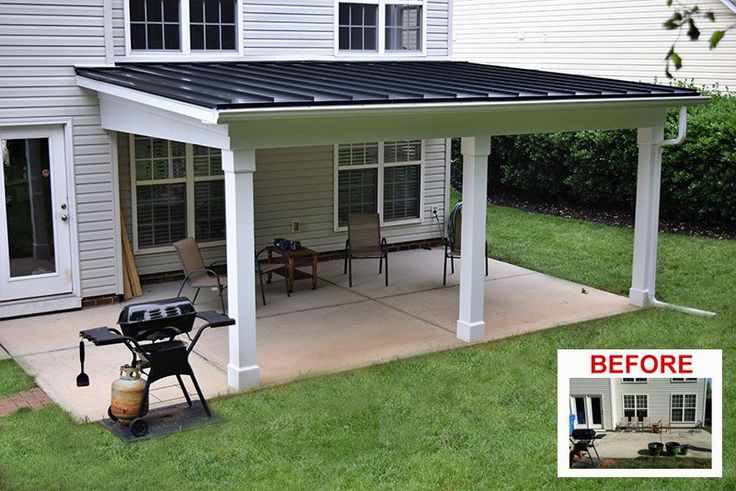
x=234, y=85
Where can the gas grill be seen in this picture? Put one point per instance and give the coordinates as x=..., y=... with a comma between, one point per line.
x=149, y=330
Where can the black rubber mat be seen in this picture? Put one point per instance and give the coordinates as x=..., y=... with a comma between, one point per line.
x=164, y=421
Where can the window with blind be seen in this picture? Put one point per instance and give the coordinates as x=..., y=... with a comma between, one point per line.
x=179, y=192
x=683, y=408
x=383, y=178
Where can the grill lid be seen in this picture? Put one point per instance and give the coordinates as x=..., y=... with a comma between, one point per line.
x=141, y=320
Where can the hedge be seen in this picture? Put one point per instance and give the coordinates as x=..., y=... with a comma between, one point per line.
x=597, y=169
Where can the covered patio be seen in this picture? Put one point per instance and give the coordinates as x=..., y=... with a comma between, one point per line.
x=244, y=107
x=329, y=329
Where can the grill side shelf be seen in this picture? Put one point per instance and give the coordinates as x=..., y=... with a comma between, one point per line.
x=102, y=336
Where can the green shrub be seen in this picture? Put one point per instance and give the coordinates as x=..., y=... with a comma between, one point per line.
x=598, y=168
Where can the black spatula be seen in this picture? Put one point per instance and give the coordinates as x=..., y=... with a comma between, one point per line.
x=82, y=378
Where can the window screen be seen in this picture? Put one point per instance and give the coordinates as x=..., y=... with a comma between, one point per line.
x=403, y=27
x=358, y=26
x=154, y=24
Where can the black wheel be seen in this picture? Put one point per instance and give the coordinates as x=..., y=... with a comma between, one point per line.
x=110, y=414
x=138, y=427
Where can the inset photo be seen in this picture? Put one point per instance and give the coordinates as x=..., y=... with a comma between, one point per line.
x=639, y=413
x=633, y=423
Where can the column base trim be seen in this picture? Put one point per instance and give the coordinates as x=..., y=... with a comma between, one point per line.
x=243, y=378
x=471, y=331
x=639, y=298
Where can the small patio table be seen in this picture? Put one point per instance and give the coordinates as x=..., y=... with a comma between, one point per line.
x=294, y=258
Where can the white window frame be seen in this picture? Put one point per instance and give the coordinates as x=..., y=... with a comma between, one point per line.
x=683, y=407
x=379, y=186
x=184, y=39
x=189, y=180
x=381, y=30
x=636, y=405
x=634, y=380
x=684, y=380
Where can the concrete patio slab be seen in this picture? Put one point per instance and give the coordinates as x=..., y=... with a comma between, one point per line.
x=329, y=329
x=321, y=340
x=629, y=445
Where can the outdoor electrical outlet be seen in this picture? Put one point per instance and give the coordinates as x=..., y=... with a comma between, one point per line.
x=295, y=225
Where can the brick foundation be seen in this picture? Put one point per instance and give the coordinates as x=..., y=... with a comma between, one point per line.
x=101, y=300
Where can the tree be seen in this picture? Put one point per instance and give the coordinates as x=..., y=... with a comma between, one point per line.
x=686, y=16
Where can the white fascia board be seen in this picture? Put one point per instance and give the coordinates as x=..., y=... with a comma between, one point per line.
x=137, y=118
x=203, y=114
x=231, y=115
x=731, y=4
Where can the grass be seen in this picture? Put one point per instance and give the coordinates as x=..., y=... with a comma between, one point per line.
x=480, y=417
x=13, y=378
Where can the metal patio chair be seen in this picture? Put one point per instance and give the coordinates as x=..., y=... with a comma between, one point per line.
x=452, y=241
x=365, y=242
x=196, y=274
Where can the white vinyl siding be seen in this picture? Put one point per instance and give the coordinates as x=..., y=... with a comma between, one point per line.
x=299, y=29
x=297, y=184
x=604, y=39
x=40, y=42
x=659, y=392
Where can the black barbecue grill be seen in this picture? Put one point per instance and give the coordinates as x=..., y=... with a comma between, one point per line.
x=583, y=440
x=149, y=331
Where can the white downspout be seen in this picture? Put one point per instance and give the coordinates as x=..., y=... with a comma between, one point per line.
x=681, y=132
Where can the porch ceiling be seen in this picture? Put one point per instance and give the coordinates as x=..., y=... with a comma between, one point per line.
x=250, y=85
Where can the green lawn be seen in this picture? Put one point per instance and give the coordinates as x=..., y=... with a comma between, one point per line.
x=13, y=378
x=481, y=417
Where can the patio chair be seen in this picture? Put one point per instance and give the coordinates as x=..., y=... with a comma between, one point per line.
x=196, y=274
x=266, y=268
x=452, y=242
x=365, y=242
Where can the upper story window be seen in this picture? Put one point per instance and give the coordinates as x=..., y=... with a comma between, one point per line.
x=183, y=25
x=403, y=27
x=683, y=380
x=154, y=24
x=358, y=27
x=380, y=26
x=634, y=380
x=212, y=24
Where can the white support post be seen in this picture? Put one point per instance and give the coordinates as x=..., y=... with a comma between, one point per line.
x=470, y=325
x=242, y=370
x=649, y=177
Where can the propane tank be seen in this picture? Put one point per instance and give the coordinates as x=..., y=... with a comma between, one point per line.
x=127, y=392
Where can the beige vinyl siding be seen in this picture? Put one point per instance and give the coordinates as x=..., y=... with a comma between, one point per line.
x=40, y=42
x=605, y=38
x=595, y=387
x=297, y=184
x=659, y=391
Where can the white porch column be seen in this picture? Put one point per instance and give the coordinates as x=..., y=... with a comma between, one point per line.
x=242, y=370
x=649, y=177
x=470, y=325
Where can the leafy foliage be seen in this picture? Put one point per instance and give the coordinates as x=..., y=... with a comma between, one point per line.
x=598, y=168
x=683, y=17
